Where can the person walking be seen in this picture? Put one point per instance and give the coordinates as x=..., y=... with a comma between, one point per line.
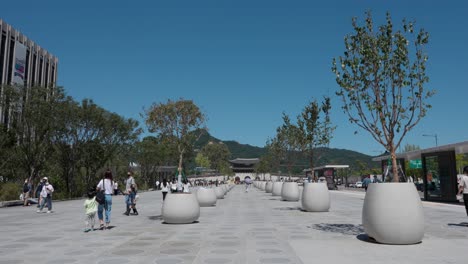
x=463, y=187
x=105, y=185
x=91, y=207
x=130, y=193
x=38, y=192
x=157, y=185
x=164, y=188
x=366, y=182
x=116, y=188
x=26, y=191
x=46, y=195
x=186, y=186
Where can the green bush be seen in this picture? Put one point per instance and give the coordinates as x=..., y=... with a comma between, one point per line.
x=9, y=191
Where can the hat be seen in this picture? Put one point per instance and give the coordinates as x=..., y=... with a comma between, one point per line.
x=45, y=178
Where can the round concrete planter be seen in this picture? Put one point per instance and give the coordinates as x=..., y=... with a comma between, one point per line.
x=315, y=197
x=393, y=213
x=290, y=191
x=206, y=197
x=219, y=192
x=269, y=187
x=181, y=208
x=262, y=186
x=277, y=186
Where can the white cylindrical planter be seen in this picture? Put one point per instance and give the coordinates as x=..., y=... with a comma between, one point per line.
x=315, y=197
x=290, y=191
x=206, y=197
x=219, y=192
x=393, y=213
x=180, y=208
x=262, y=187
x=269, y=187
x=277, y=186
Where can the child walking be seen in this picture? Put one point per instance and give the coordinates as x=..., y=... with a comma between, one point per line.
x=91, y=207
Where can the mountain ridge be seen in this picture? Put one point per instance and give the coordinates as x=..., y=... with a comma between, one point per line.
x=328, y=155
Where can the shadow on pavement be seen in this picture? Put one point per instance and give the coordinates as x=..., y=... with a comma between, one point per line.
x=462, y=224
x=155, y=217
x=366, y=238
x=345, y=229
x=289, y=208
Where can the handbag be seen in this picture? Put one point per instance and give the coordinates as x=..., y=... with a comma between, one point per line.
x=100, y=195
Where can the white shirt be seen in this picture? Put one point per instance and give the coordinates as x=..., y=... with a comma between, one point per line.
x=464, y=183
x=108, y=186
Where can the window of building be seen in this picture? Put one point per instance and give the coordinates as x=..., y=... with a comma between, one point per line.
x=2, y=55
x=10, y=60
x=26, y=75
x=46, y=79
x=52, y=80
x=33, y=72
x=41, y=62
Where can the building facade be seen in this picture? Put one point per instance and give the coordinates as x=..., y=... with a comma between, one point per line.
x=23, y=63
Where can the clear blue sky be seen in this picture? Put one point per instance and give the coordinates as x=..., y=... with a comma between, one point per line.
x=242, y=62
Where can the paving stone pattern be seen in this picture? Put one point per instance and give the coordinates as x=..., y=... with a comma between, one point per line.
x=253, y=227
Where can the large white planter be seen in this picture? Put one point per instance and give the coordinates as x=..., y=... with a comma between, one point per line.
x=315, y=197
x=269, y=187
x=219, y=192
x=393, y=213
x=290, y=191
x=277, y=186
x=180, y=208
x=206, y=197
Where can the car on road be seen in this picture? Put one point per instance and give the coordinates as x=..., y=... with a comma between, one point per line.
x=358, y=184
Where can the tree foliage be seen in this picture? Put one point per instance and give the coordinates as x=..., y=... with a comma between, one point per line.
x=315, y=128
x=218, y=154
x=382, y=79
x=178, y=120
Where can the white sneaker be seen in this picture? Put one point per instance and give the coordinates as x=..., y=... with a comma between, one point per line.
x=38, y=211
x=49, y=211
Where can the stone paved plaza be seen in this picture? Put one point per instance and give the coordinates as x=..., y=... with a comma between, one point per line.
x=252, y=227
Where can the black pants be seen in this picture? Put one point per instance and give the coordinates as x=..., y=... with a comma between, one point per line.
x=164, y=195
x=465, y=199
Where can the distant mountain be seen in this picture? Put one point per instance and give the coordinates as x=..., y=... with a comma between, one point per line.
x=328, y=156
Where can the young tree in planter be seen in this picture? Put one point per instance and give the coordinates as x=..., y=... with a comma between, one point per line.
x=288, y=140
x=382, y=78
x=315, y=128
x=179, y=120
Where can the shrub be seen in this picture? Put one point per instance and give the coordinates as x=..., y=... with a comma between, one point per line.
x=9, y=191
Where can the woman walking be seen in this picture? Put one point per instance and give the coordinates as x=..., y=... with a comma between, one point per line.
x=108, y=187
x=164, y=188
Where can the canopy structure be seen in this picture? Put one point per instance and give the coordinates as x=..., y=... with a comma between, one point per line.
x=459, y=148
x=438, y=181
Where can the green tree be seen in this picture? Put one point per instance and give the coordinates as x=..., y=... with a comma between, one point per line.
x=179, y=120
x=288, y=141
x=217, y=153
x=315, y=128
x=382, y=77
x=202, y=161
x=34, y=122
x=410, y=147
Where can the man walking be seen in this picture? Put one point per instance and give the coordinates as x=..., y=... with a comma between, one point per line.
x=130, y=193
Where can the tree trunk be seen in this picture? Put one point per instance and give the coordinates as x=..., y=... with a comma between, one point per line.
x=179, y=169
x=394, y=164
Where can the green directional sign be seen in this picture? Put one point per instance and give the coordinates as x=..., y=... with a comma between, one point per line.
x=415, y=164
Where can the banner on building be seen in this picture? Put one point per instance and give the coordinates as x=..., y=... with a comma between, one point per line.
x=19, y=64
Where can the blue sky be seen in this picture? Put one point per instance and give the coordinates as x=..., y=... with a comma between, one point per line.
x=242, y=62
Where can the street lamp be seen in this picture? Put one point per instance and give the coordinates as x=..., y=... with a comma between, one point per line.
x=429, y=135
